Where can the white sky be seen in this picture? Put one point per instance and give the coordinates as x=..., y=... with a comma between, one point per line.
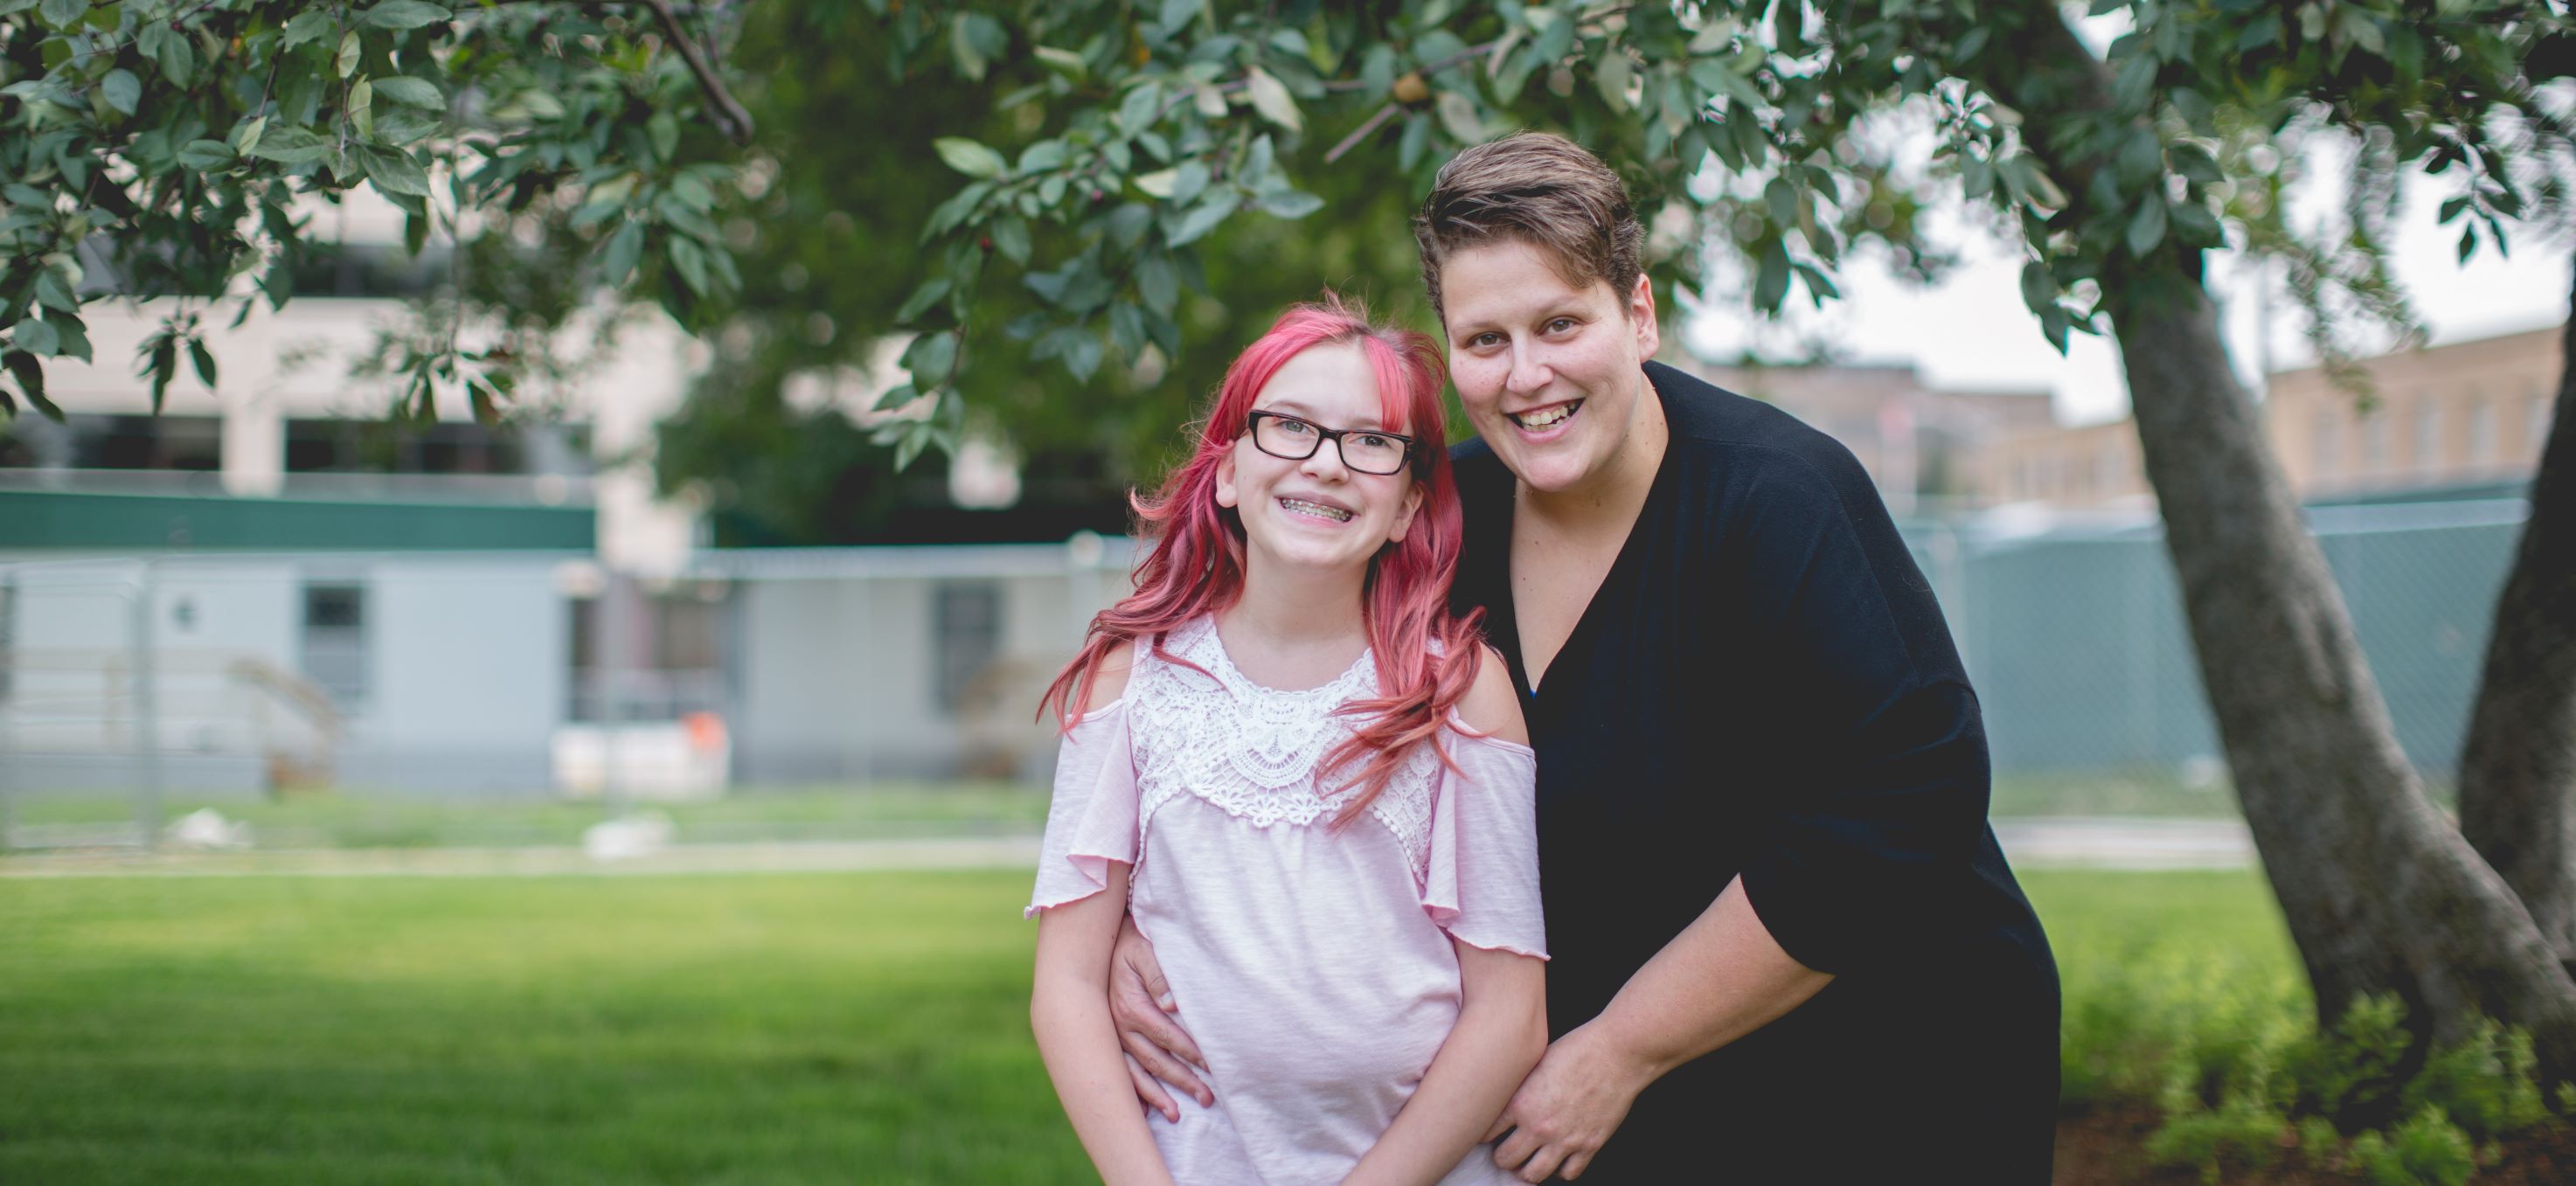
x=1972, y=330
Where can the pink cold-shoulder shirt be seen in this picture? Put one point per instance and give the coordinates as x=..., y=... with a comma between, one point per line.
x=1313, y=965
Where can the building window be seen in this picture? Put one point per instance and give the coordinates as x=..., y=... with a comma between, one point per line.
x=2482, y=432
x=2327, y=449
x=2374, y=442
x=335, y=642
x=2538, y=436
x=2428, y=432
x=8, y=635
x=968, y=620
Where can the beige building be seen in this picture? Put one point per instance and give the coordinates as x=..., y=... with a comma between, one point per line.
x=1914, y=440
x=2462, y=414
x=2446, y=415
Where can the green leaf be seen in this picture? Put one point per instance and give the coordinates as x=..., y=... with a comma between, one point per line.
x=1819, y=286
x=1203, y=218
x=2147, y=227
x=1782, y=199
x=1137, y=111
x=394, y=172
x=931, y=357
x=246, y=138
x=178, y=57
x=206, y=156
x=2193, y=162
x=403, y=14
x=691, y=261
x=1772, y=283
x=123, y=90
x=625, y=248
x=345, y=63
x=63, y=14
x=362, y=108
x=165, y=365
x=416, y=92
x=204, y=361
x=1270, y=97
x=308, y=26
x=292, y=146
x=1011, y=238
x=922, y=299
x=1158, y=282
x=664, y=131
x=1458, y=114
x=53, y=293
x=36, y=337
x=1176, y=13
x=31, y=382
x=1158, y=183
x=2038, y=287
x=1611, y=77
x=968, y=157
x=1289, y=203
x=2195, y=226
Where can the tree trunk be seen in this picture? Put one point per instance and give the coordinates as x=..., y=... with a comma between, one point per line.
x=2380, y=893
x=2518, y=768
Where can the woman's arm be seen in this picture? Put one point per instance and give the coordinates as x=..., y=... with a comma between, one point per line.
x=1723, y=977
x=1501, y=1031
x=1069, y=1011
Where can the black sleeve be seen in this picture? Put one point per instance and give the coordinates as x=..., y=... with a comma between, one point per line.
x=1880, y=763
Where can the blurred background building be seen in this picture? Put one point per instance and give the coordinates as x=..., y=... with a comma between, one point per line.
x=273, y=585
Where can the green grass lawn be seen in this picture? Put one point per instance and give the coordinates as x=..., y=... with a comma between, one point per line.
x=357, y=819
x=757, y=1028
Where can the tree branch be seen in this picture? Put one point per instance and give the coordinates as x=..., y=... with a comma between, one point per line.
x=731, y=119
x=1362, y=132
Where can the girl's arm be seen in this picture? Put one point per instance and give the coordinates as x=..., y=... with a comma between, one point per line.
x=1502, y=1016
x=1069, y=1010
x=1501, y=1032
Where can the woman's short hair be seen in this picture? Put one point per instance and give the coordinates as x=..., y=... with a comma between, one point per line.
x=1538, y=188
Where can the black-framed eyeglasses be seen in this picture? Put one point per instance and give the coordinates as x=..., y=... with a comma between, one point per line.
x=1364, y=450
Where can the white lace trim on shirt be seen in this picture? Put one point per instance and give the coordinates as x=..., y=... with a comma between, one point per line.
x=1252, y=751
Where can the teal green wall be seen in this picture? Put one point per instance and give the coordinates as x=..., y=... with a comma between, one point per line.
x=35, y=519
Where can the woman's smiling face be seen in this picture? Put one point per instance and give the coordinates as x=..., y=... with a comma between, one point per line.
x=1318, y=512
x=1550, y=374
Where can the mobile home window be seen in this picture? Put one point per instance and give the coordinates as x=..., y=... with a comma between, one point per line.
x=335, y=642
x=968, y=621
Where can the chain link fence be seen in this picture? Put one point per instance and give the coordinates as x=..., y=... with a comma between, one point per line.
x=521, y=698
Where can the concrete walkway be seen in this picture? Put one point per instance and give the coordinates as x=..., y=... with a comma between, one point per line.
x=2090, y=843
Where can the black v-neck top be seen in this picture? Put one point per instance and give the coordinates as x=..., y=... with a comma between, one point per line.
x=1763, y=687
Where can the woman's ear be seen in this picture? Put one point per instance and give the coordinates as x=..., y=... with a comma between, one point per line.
x=1226, y=493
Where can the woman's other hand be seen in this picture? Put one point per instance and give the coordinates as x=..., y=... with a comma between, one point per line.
x=1141, y=1006
x=1567, y=1108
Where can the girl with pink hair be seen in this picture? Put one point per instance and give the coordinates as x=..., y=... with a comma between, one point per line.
x=1292, y=765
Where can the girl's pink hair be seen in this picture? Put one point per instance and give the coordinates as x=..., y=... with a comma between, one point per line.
x=1196, y=566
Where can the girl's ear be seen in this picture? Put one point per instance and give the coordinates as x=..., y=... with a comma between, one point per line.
x=1226, y=493
x=1404, y=518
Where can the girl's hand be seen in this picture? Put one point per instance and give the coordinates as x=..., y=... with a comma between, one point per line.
x=1141, y=1007
x=1567, y=1108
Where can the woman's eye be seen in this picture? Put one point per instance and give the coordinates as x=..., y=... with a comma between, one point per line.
x=1374, y=441
x=1560, y=325
x=1485, y=340
x=1295, y=427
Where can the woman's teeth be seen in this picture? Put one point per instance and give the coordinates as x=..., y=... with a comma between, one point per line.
x=1319, y=510
x=1547, y=417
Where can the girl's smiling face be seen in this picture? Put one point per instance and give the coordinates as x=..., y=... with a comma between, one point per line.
x=1317, y=513
x=1550, y=374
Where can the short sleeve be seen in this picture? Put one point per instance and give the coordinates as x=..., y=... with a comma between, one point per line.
x=1092, y=820
x=1883, y=768
x=1482, y=885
